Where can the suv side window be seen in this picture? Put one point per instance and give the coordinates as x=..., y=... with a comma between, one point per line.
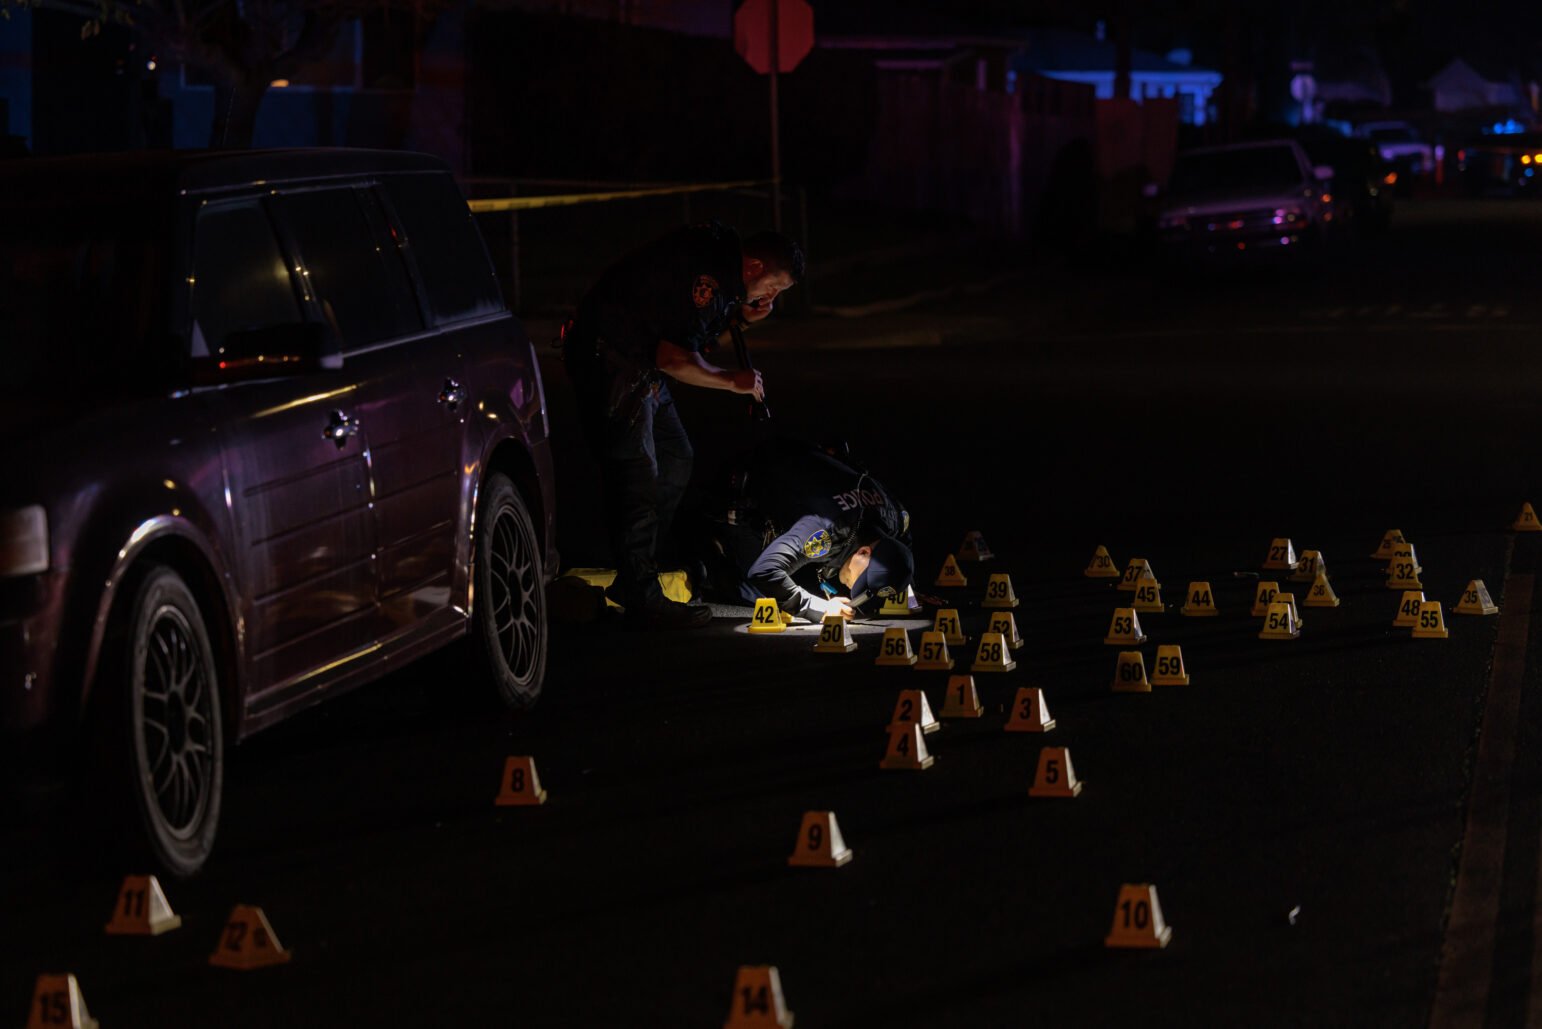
x=240, y=278
x=444, y=241
x=362, y=289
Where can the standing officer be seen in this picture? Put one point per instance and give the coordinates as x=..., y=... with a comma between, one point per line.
x=651, y=316
x=793, y=505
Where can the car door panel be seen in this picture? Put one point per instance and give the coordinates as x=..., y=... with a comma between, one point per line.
x=298, y=492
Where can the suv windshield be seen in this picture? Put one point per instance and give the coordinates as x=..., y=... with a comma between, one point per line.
x=76, y=289
x=1269, y=167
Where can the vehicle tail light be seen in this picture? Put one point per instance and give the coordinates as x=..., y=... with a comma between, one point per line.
x=1390, y=178
x=24, y=541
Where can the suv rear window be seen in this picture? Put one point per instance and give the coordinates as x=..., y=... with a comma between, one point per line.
x=448, y=249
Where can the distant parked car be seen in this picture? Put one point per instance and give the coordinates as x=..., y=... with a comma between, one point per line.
x=1362, y=182
x=269, y=433
x=1500, y=165
x=1401, y=147
x=1245, y=197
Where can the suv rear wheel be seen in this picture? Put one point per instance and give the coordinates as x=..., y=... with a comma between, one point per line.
x=509, y=610
x=164, y=712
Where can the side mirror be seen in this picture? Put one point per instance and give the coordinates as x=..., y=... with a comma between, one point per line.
x=273, y=350
x=1323, y=172
x=1150, y=190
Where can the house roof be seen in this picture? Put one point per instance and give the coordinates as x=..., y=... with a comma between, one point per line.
x=1460, y=70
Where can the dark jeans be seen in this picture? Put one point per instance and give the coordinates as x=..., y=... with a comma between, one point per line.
x=645, y=460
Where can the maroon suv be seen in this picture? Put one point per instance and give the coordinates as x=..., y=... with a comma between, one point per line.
x=269, y=433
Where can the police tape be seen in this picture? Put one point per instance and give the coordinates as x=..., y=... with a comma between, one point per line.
x=494, y=204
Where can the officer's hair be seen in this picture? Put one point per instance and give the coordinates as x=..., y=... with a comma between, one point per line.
x=776, y=251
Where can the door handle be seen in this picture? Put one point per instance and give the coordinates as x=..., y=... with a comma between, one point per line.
x=452, y=394
x=339, y=428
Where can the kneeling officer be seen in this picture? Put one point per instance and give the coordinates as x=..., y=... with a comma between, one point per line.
x=793, y=505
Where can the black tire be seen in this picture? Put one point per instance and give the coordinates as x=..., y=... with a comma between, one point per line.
x=164, y=721
x=508, y=614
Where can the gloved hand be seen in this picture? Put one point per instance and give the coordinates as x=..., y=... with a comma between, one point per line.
x=834, y=605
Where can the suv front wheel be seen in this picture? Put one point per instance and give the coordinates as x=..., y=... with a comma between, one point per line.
x=509, y=606
x=164, y=709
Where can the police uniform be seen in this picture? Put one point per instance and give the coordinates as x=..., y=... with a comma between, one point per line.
x=682, y=288
x=793, y=506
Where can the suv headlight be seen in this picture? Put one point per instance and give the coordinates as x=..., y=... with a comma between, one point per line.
x=24, y=541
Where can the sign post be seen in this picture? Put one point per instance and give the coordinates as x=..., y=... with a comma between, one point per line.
x=773, y=36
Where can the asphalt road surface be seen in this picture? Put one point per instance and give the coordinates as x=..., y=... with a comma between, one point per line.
x=1342, y=829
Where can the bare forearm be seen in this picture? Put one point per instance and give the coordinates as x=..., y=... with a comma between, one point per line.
x=690, y=367
x=696, y=371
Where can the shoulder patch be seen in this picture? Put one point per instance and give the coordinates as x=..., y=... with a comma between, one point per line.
x=704, y=290
x=817, y=545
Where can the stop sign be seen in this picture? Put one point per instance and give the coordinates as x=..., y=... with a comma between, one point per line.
x=794, y=31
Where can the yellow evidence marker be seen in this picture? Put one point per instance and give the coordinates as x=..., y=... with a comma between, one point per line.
x=934, y=653
x=1280, y=623
x=895, y=648
x=1101, y=566
x=1004, y=623
x=900, y=604
x=1476, y=601
x=1138, y=919
x=1402, y=551
x=247, y=941
x=1200, y=602
x=1267, y=591
x=1169, y=667
x=998, y=591
x=1309, y=567
x=1282, y=555
x=767, y=616
x=1130, y=673
x=819, y=843
x=1403, y=571
x=1526, y=521
x=142, y=909
x=1055, y=777
x=758, y=1001
x=1148, y=597
x=993, y=655
x=907, y=750
x=1432, y=623
x=961, y=700
x=913, y=708
x=1389, y=543
x=947, y=623
x=1124, y=628
x=974, y=547
x=1138, y=568
x=1030, y=712
x=1286, y=597
x=57, y=1003
x=521, y=785
x=950, y=574
x=834, y=636
x=1321, y=594
x=1408, y=609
